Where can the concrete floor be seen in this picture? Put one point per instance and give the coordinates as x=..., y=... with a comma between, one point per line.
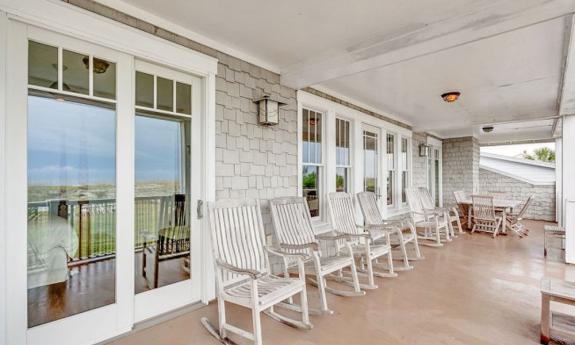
x=476, y=290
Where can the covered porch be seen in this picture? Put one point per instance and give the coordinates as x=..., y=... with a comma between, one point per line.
x=126, y=122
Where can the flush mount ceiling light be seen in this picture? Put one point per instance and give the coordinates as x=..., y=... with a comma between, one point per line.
x=487, y=129
x=100, y=66
x=451, y=96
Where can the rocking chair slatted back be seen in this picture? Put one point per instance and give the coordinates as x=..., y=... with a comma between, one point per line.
x=173, y=230
x=525, y=207
x=426, y=199
x=342, y=213
x=238, y=238
x=459, y=196
x=369, y=208
x=415, y=204
x=483, y=207
x=292, y=222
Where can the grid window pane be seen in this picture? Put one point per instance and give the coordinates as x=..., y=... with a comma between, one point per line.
x=390, y=138
x=144, y=90
x=42, y=65
x=76, y=75
x=404, y=168
x=370, y=162
x=342, y=142
x=342, y=180
x=104, y=78
x=183, y=98
x=165, y=94
x=310, y=183
x=311, y=136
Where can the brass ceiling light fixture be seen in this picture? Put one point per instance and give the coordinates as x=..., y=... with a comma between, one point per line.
x=451, y=96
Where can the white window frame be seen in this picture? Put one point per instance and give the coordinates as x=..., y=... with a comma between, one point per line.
x=349, y=166
x=333, y=110
x=407, y=168
x=395, y=169
x=321, y=183
x=19, y=19
x=435, y=144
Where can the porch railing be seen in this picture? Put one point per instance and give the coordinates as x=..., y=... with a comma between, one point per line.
x=93, y=223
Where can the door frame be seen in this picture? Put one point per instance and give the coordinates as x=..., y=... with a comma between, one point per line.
x=65, y=19
x=435, y=144
x=161, y=300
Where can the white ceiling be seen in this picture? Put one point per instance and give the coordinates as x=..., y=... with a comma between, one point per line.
x=511, y=77
x=506, y=56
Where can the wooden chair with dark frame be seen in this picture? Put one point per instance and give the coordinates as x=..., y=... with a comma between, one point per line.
x=172, y=240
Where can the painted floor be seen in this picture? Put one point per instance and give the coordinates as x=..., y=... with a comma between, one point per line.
x=475, y=290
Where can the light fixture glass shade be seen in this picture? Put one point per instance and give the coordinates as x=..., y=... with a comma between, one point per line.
x=268, y=111
x=423, y=150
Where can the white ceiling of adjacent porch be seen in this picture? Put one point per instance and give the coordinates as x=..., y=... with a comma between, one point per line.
x=510, y=74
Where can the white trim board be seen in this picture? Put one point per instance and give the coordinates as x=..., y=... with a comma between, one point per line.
x=3, y=258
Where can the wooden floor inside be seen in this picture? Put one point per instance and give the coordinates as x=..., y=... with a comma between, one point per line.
x=475, y=290
x=91, y=286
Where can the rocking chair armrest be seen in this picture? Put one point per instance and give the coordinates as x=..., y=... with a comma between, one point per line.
x=244, y=271
x=281, y=253
x=365, y=234
x=312, y=245
x=337, y=236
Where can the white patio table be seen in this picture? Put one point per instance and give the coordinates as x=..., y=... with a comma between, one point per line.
x=500, y=204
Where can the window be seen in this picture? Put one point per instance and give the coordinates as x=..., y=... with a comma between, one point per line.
x=370, y=162
x=404, y=168
x=312, y=159
x=343, y=167
x=391, y=171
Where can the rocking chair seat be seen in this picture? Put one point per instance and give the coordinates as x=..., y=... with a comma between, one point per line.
x=270, y=287
x=329, y=264
x=376, y=250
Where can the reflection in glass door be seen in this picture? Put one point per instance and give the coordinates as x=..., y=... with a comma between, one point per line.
x=371, y=162
x=71, y=235
x=164, y=189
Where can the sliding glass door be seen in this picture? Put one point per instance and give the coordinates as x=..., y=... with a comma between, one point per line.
x=105, y=168
x=165, y=185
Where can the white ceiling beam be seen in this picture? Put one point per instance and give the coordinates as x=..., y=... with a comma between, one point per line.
x=501, y=17
x=567, y=97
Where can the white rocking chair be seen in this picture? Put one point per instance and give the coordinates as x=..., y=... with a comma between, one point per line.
x=243, y=275
x=294, y=233
x=362, y=243
x=484, y=216
x=450, y=213
x=514, y=219
x=403, y=231
x=434, y=224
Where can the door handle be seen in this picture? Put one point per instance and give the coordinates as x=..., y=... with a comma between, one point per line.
x=200, y=209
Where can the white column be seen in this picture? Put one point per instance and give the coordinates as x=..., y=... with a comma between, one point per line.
x=330, y=154
x=559, y=181
x=568, y=168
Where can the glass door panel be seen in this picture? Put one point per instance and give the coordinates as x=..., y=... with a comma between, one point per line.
x=371, y=162
x=162, y=230
x=71, y=206
x=166, y=190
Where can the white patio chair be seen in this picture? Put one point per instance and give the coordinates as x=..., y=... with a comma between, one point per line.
x=450, y=213
x=514, y=219
x=342, y=213
x=434, y=224
x=403, y=231
x=460, y=196
x=294, y=233
x=243, y=275
x=484, y=217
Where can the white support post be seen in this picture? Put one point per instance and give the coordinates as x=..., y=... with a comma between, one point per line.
x=568, y=168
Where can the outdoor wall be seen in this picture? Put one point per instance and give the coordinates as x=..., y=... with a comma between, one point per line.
x=543, y=206
x=419, y=164
x=460, y=167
